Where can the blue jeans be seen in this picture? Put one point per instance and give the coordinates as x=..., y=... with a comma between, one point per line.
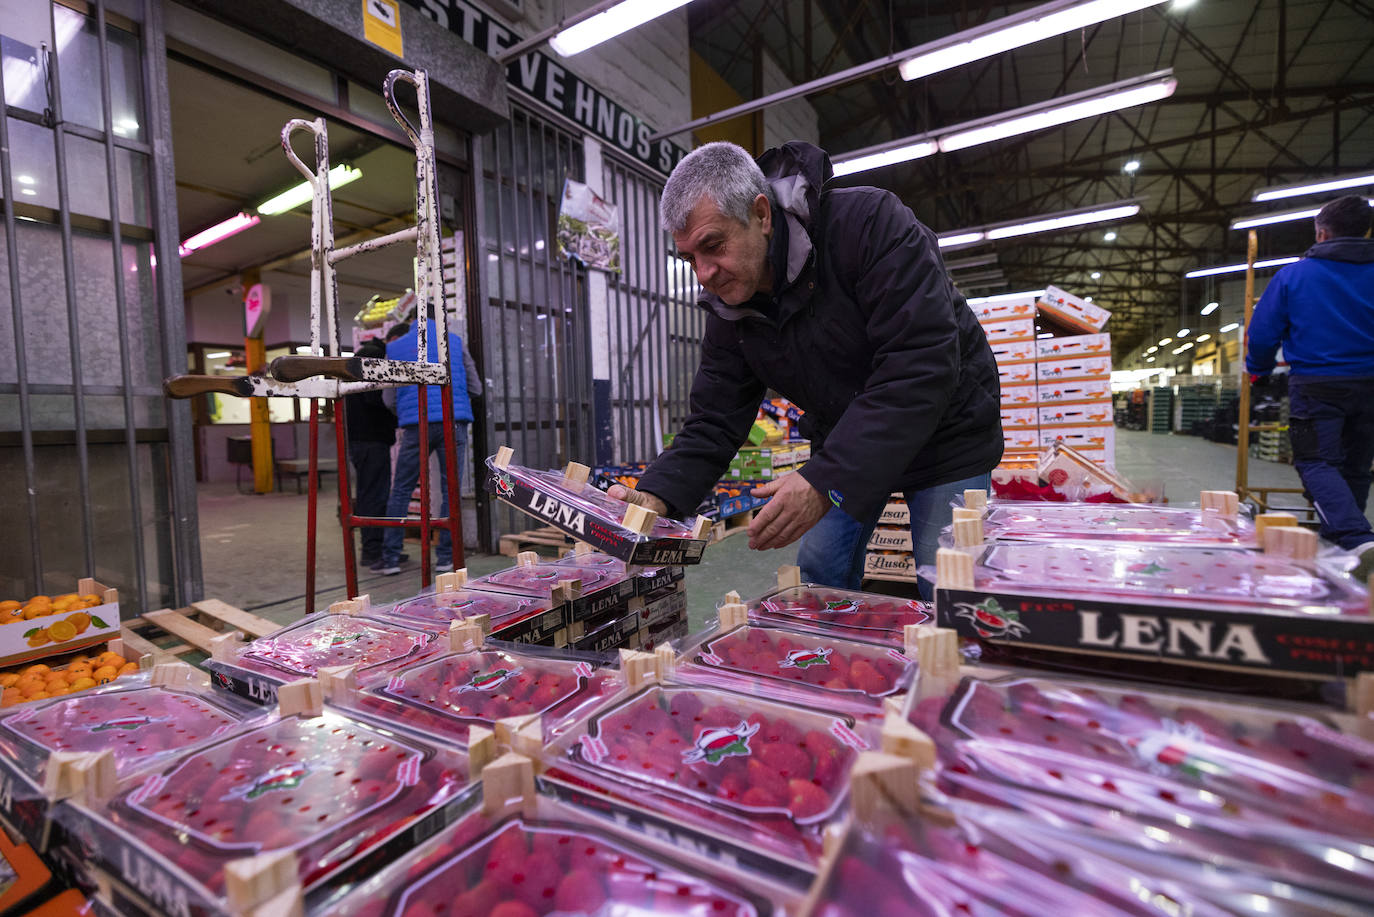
x=1331, y=425
x=832, y=553
x=408, y=474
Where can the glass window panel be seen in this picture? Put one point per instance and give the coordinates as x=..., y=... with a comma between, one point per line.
x=33, y=168
x=126, y=84
x=131, y=168
x=104, y=413
x=78, y=60
x=24, y=28
x=87, y=189
x=140, y=303
x=97, y=312
x=43, y=294
x=16, y=560
x=9, y=372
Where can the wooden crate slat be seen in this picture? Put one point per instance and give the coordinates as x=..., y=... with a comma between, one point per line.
x=236, y=618
x=173, y=622
x=140, y=645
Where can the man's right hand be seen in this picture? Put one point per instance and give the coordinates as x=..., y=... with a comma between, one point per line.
x=648, y=501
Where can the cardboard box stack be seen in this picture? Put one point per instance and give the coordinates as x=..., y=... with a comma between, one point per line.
x=889, y=554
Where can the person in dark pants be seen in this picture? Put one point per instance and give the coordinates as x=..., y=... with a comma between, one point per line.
x=1321, y=310
x=371, y=433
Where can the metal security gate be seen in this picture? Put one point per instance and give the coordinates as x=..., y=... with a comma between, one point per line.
x=655, y=324
x=95, y=468
x=533, y=342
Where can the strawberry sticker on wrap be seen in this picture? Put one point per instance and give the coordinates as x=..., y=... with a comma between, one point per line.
x=805, y=659
x=715, y=745
x=283, y=777
x=491, y=680
x=843, y=606
x=127, y=723
x=990, y=619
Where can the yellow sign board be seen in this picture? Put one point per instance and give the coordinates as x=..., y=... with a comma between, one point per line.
x=382, y=25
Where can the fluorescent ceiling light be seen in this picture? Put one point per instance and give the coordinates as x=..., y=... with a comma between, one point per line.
x=1316, y=187
x=28, y=191
x=1087, y=299
x=1183, y=332
x=907, y=151
x=960, y=238
x=608, y=24
x=1235, y=268
x=217, y=355
x=1063, y=221
x=303, y=348
x=1180, y=349
x=1003, y=297
x=218, y=233
x=1047, y=334
x=1166, y=341
x=1131, y=166
x=1210, y=308
x=292, y=198
x=960, y=264
x=1203, y=337
x=1149, y=359
x=1265, y=219
x=1153, y=348
x=1110, y=236
x=1015, y=31
x=1096, y=275
x=24, y=179
x=1075, y=107
x=1231, y=327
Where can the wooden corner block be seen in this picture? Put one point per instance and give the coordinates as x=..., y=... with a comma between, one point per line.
x=304, y=697
x=963, y=512
x=1272, y=520
x=581, y=547
x=1290, y=541
x=62, y=779
x=637, y=668
x=508, y=781
x=481, y=750
x=338, y=682
x=953, y=569
x=86, y=585
x=1361, y=700
x=465, y=635
x=288, y=903
x=880, y=783
x=664, y=662
x=639, y=519
x=731, y=597
x=177, y=675
x=503, y=457
x=1225, y=502
x=523, y=735
x=575, y=475
x=357, y=605
x=901, y=738
x=936, y=649
x=451, y=581
x=253, y=881
x=701, y=527
x=789, y=577
x=225, y=647
x=733, y=614
x=895, y=705
x=527, y=559
x=976, y=499
x=99, y=777
x=968, y=533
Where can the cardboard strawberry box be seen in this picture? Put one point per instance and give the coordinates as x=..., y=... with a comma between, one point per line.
x=1013, y=351
x=840, y=612
x=890, y=564
x=1075, y=346
x=1004, y=310
x=1013, y=329
x=1072, y=311
x=1083, y=414
x=516, y=618
x=1022, y=373
x=1068, y=369
x=584, y=592
x=1018, y=439
x=1074, y=392
x=885, y=538
x=895, y=512
x=1100, y=438
x=45, y=626
x=1019, y=417
x=1019, y=395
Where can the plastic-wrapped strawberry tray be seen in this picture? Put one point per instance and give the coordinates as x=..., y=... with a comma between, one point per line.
x=657, y=578
x=859, y=615
x=665, y=604
x=139, y=725
x=1177, y=605
x=762, y=773
x=600, y=590
x=619, y=631
x=589, y=515
x=373, y=644
x=444, y=698
x=799, y=666
x=573, y=854
x=1096, y=521
x=343, y=796
x=515, y=618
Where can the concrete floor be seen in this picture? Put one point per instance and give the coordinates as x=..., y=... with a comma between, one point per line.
x=253, y=547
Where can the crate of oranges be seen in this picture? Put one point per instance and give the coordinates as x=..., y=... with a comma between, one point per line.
x=47, y=625
x=69, y=675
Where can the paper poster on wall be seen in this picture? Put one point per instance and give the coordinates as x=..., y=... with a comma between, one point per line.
x=588, y=227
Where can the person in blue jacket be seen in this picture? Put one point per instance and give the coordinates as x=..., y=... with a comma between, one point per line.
x=1321, y=310
x=407, y=405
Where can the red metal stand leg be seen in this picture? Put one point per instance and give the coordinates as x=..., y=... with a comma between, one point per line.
x=425, y=570
x=310, y=507
x=455, y=492
x=345, y=498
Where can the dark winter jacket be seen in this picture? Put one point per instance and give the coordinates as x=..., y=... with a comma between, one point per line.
x=369, y=419
x=1321, y=310
x=864, y=332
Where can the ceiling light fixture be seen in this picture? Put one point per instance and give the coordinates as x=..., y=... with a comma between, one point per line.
x=218, y=233
x=1231, y=327
x=607, y=24
x=1087, y=299
x=1316, y=187
x=960, y=264
x=1210, y=308
x=24, y=179
x=219, y=355
x=1203, y=337
x=1131, y=166
x=1236, y=268
x=906, y=150
x=1265, y=219
x=1015, y=31
x=1187, y=346
x=1096, y=275
x=1166, y=341
x=960, y=238
x=1152, y=349
x=1003, y=297
x=1047, y=334
x=1149, y=359
x=293, y=197
x=1118, y=210
x=1183, y=332
x=1110, y=236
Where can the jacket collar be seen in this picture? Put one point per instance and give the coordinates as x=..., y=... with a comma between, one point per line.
x=1346, y=248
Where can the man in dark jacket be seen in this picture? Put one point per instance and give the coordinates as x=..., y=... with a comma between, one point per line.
x=1321, y=310
x=371, y=432
x=838, y=299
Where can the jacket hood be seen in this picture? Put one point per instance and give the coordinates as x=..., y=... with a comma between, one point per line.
x=1348, y=248
x=795, y=173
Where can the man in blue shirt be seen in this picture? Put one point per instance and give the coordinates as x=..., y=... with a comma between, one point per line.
x=1321, y=310
x=407, y=403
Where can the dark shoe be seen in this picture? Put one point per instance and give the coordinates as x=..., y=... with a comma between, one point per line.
x=370, y=561
x=388, y=569
x=444, y=568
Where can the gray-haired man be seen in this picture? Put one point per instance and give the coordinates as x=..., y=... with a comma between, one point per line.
x=836, y=298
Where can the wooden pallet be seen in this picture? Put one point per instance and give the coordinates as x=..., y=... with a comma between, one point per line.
x=190, y=629
x=548, y=539
x=732, y=525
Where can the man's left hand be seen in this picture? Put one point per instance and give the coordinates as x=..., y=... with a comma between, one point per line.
x=796, y=506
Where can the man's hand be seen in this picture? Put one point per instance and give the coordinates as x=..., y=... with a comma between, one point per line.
x=796, y=506
x=638, y=497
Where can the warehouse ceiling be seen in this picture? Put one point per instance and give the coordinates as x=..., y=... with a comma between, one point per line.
x=1269, y=92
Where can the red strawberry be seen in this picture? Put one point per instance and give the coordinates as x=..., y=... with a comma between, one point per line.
x=668, y=741
x=758, y=797
x=731, y=786
x=717, y=716
x=776, y=730
x=476, y=901
x=629, y=883
x=549, y=691
x=506, y=856
x=541, y=875
x=684, y=707
x=866, y=678
x=765, y=777
x=580, y=891
x=805, y=799
x=926, y=714
x=788, y=760
x=513, y=909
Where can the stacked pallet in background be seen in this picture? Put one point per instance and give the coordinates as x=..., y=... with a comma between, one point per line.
x=889, y=554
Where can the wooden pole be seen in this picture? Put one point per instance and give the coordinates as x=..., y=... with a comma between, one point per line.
x=1243, y=421
x=259, y=422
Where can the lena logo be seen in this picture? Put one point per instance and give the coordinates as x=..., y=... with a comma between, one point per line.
x=1150, y=569
x=285, y=777
x=1171, y=636
x=490, y=681
x=715, y=745
x=843, y=606
x=504, y=486
x=558, y=513
x=127, y=723
x=805, y=659
x=990, y=619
